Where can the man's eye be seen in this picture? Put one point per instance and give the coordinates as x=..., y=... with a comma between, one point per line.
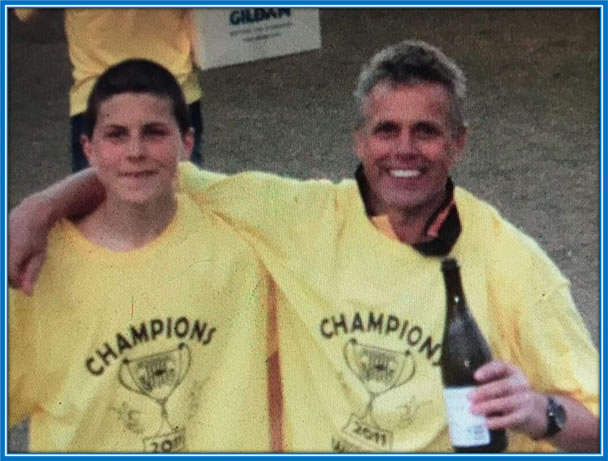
x=427, y=130
x=386, y=129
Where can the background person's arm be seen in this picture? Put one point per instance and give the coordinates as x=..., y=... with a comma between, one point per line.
x=30, y=222
x=25, y=14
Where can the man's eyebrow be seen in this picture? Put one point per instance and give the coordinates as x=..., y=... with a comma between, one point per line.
x=427, y=124
x=383, y=124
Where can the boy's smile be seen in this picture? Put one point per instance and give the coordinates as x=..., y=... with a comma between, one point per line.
x=135, y=147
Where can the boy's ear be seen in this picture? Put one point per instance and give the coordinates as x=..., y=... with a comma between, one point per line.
x=188, y=141
x=85, y=142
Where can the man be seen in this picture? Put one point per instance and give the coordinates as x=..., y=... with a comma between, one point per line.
x=361, y=305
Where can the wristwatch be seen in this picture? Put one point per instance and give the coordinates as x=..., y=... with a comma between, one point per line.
x=556, y=417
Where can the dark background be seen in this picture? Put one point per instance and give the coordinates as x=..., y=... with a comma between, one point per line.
x=533, y=109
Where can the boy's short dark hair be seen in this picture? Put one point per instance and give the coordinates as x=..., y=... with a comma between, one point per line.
x=136, y=76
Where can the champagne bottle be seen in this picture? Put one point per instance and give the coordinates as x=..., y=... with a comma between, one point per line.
x=464, y=350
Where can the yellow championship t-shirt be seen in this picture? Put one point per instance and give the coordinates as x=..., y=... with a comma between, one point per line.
x=160, y=349
x=361, y=315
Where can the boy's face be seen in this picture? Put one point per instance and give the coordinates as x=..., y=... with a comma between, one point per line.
x=135, y=147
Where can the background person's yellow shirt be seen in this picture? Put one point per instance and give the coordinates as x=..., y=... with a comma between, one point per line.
x=101, y=37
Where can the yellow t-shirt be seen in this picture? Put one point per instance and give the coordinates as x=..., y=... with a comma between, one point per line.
x=101, y=37
x=361, y=316
x=154, y=350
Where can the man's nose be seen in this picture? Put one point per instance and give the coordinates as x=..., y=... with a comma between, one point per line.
x=405, y=143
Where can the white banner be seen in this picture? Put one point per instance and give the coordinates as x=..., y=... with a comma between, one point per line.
x=225, y=36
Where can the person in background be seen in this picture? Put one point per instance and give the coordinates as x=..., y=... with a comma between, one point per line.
x=101, y=37
x=148, y=328
x=361, y=299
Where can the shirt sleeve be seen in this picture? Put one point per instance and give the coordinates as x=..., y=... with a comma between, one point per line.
x=541, y=328
x=558, y=351
x=276, y=214
x=192, y=180
x=21, y=357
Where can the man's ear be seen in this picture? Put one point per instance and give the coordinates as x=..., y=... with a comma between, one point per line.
x=188, y=141
x=460, y=144
x=359, y=143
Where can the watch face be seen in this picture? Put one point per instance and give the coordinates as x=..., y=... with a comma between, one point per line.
x=556, y=417
x=560, y=414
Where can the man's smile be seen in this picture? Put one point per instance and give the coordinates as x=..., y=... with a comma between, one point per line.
x=403, y=173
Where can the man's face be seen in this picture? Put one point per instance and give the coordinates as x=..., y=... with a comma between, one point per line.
x=407, y=146
x=135, y=147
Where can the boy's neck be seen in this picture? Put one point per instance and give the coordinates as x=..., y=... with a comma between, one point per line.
x=120, y=226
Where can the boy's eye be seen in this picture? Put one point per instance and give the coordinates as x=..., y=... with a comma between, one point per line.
x=155, y=131
x=115, y=134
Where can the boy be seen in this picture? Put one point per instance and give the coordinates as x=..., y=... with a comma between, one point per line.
x=147, y=331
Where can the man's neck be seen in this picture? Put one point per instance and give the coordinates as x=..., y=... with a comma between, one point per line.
x=432, y=231
x=410, y=225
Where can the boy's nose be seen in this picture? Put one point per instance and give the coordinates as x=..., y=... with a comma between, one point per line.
x=136, y=148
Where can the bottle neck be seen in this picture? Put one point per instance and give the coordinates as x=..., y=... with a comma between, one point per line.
x=454, y=293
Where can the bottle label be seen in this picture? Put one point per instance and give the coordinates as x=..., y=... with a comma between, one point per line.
x=466, y=429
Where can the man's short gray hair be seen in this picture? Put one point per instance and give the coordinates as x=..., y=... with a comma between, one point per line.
x=410, y=63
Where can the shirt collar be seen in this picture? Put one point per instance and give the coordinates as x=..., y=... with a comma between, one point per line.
x=443, y=227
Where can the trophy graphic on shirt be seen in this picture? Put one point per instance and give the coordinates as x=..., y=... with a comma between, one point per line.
x=156, y=377
x=379, y=370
